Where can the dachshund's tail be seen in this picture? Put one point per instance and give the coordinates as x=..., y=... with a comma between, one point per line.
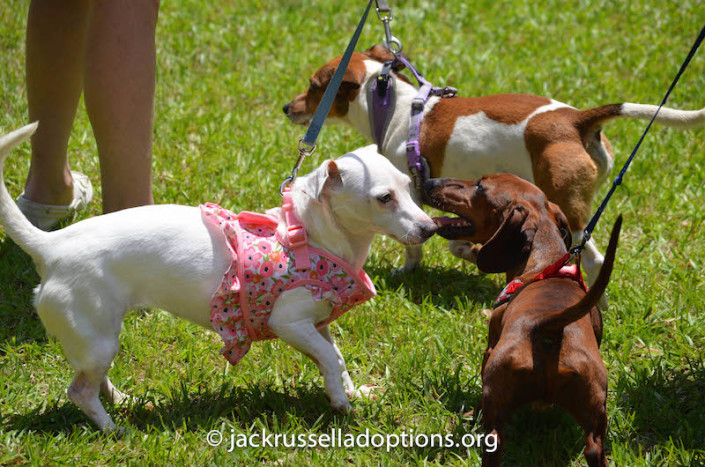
x=558, y=320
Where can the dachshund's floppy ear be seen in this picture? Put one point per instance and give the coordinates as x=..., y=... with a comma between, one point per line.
x=509, y=244
x=562, y=224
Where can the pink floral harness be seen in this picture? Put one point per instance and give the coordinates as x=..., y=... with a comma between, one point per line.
x=263, y=266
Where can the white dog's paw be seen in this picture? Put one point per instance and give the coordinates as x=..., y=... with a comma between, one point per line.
x=464, y=250
x=342, y=406
x=406, y=269
x=116, y=431
x=412, y=260
x=367, y=391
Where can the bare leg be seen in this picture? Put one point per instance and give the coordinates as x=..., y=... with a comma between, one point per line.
x=119, y=92
x=56, y=34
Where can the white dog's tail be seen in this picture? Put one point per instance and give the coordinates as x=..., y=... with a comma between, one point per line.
x=666, y=116
x=16, y=226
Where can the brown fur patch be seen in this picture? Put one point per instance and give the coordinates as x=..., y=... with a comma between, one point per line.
x=561, y=166
x=439, y=122
x=349, y=88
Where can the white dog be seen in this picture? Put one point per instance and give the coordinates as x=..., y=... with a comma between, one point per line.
x=93, y=272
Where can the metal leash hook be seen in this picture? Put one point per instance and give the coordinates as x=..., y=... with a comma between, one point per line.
x=389, y=39
x=305, y=150
x=577, y=249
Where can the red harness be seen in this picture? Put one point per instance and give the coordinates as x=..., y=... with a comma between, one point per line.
x=557, y=269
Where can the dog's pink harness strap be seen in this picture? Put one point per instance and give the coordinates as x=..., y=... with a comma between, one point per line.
x=296, y=234
x=263, y=266
x=557, y=269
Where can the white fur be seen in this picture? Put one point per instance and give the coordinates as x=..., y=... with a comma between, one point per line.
x=666, y=116
x=165, y=256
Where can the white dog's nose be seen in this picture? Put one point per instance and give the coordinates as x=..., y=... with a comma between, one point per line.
x=427, y=229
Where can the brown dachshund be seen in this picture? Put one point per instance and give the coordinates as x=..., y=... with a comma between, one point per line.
x=544, y=337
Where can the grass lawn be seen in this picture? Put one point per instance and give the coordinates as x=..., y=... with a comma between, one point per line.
x=225, y=70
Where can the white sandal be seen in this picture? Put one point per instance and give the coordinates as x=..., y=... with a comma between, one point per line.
x=48, y=216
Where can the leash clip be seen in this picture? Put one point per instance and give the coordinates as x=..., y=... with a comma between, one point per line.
x=578, y=249
x=448, y=92
x=305, y=149
x=389, y=39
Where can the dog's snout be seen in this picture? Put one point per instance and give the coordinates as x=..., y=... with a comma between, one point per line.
x=286, y=108
x=432, y=183
x=428, y=187
x=428, y=229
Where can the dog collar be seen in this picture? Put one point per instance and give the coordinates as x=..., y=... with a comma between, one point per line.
x=413, y=146
x=557, y=270
x=381, y=100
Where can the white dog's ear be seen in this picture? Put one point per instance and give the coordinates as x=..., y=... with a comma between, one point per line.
x=334, y=181
x=324, y=180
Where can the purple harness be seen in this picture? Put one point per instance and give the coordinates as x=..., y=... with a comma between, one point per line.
x=382, y=102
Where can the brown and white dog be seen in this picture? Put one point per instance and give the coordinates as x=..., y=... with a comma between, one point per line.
x=543, y=340
x=557, y=147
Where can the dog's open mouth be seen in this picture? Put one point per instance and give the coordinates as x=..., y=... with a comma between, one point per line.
x=454, y=227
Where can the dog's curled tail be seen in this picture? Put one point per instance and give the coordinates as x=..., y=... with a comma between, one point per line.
x=684, y=119
x=16, y=226
x=559, y=319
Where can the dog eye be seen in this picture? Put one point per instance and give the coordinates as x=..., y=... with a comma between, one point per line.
x=479, y=187
x=385, y=198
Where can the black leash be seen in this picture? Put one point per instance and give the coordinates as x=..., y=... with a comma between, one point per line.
x=587, y=233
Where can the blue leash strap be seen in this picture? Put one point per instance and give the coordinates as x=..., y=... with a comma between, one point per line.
x=314, y=128
x=308, y=143
x=587, y=233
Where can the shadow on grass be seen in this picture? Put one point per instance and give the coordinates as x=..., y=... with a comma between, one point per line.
x=667, y=404
x=195, y=410
x=548, y=437
x=18, y=278
x=551, y=437
x=441, y=284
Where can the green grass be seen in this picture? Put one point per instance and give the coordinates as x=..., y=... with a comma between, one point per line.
x=225, y=69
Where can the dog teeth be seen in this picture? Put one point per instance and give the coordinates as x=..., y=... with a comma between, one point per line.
x=445, y=221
